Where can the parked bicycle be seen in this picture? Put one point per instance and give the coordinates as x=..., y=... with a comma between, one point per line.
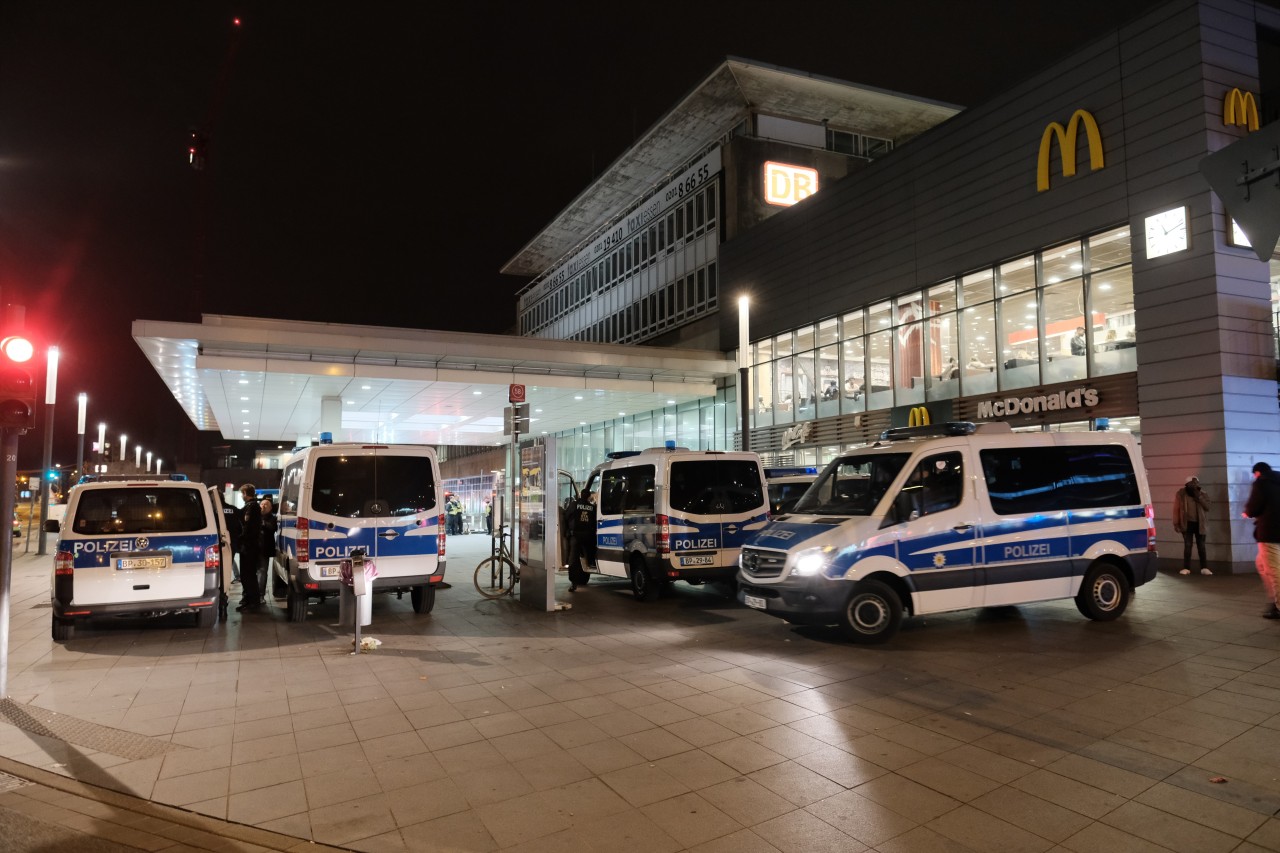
x=498, y=575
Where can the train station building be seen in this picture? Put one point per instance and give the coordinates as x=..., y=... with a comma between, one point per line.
x=1052, y=258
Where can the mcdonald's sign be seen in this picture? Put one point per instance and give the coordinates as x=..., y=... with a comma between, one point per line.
x=919, y=416
x=1067, y=145
x=1239, y=109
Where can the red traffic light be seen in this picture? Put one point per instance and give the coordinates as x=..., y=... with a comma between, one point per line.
x=17, y=348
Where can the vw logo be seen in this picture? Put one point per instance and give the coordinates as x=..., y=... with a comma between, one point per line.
x=143, y=544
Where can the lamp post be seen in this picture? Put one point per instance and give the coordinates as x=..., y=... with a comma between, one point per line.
x=83, y=399
x=744, y=369
x=159, y=462
x=148, y=461
x=137, y=456
x=102, y=443
x=124, y=447
x=50, y=397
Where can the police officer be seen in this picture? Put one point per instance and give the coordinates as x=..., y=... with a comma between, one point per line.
x=250, y=549
x=584, y=540
x=231, y=516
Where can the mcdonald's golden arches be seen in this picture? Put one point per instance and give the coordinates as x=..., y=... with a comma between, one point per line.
x=1067, y=145
x=919, y=416
x=1240, y=109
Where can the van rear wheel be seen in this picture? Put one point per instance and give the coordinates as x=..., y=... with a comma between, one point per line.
x=643, y=587
x=297, y=607
x=1104, y=594
x=63, y=630
x=872, y=614
x=423, y=598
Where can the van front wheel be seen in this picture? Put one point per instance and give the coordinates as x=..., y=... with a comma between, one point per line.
x=872, y=613
x=1104, y=594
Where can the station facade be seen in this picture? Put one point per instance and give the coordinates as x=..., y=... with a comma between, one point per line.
x=1052, y=258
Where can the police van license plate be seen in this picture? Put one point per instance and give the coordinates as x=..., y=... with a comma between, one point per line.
x=330, y=571
x=753, y=601
x=700, y=560
x=142, y=563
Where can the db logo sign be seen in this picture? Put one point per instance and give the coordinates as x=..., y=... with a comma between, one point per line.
x=516, y=394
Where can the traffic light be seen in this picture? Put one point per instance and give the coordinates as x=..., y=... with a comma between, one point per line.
x=17, y=388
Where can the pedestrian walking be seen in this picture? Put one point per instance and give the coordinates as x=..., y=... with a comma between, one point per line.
x=583, y=546
x=1263, y=507
x=1190, y=518
x=250, y=549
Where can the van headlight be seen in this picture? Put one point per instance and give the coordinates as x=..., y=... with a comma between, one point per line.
x=811, y=562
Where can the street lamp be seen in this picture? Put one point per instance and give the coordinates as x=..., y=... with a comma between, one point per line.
x=159, y=462
x=102, y=442
x=744, y=369
x=137, y=456
x=124, y=447
x=148, y=461
x=50, y=397
x=83, y=400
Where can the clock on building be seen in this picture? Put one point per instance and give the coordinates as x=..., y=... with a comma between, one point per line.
x=1166, y=232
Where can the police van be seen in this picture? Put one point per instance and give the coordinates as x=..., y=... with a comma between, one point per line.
x=956, y=515
x=669, y=513
x=138, y=546
x=787, y=485
x=383, y=500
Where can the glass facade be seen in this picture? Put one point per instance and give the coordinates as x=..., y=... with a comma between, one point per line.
x=1061, y=314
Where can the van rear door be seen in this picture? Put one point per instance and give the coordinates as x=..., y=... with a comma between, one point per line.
x=714, y=504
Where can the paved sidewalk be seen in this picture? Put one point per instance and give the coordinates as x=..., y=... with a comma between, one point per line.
x=688, y=723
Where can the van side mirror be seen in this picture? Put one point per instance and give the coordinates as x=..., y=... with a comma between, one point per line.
x=52, y=525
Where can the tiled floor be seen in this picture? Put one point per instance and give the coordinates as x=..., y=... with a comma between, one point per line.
x=688, y=723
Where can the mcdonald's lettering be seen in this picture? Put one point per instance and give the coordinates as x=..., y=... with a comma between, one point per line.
x=919, y=416
x=1067, y=145
x=1240, y=109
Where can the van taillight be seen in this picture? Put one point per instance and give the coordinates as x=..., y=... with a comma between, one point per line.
x=664, y=534
x=440, y=520
x=1151, y=528
x=63, y=563
x=304, y=540
x=212, y=558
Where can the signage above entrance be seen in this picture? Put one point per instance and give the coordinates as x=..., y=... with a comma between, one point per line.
x=785, y=185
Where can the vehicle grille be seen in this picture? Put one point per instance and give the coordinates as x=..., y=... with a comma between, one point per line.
x=759, y=563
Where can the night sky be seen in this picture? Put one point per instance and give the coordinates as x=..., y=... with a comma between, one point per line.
x=377, y=162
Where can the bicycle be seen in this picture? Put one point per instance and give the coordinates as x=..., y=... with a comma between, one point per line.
x=498, y=575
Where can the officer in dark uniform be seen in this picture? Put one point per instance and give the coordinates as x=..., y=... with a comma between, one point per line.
x=231, y=516
x=250, y=550
x=583, y=519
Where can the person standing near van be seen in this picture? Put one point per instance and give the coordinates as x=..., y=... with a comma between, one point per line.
x=1190, y=518
x=250, y=550
x=1263, y=507
x=268, y=544
x=583, y=546
x=231, y=516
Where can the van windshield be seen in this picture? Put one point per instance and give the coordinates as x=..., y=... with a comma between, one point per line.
x=135, y=510
x=373, y=486
x=852, y=485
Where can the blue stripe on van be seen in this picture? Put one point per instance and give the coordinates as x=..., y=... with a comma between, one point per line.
x=96, y=551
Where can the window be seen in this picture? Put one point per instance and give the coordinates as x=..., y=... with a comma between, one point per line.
x=842, y=142
x=356, y=486
x=1046, y=479
x=936, y=484
x=134, y=510
x=853, y=485
x=716, y=486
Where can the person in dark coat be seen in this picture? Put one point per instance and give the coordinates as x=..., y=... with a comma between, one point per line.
x=231, y=517
x=268, y=544
x=1263, y=507
x=583, y=545
x=250, y=550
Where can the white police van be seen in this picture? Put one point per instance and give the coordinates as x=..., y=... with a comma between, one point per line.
x=138, y=546
x=670, y=513
x=384, y=500
x=787, y=485
x=952, y=516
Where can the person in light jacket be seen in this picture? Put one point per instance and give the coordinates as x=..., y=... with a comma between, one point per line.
x=1190, y=518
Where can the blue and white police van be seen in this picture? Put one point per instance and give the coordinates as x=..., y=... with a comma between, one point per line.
x=673, y=514
x=138, y=546
x=953, y=516
x=384, y=500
